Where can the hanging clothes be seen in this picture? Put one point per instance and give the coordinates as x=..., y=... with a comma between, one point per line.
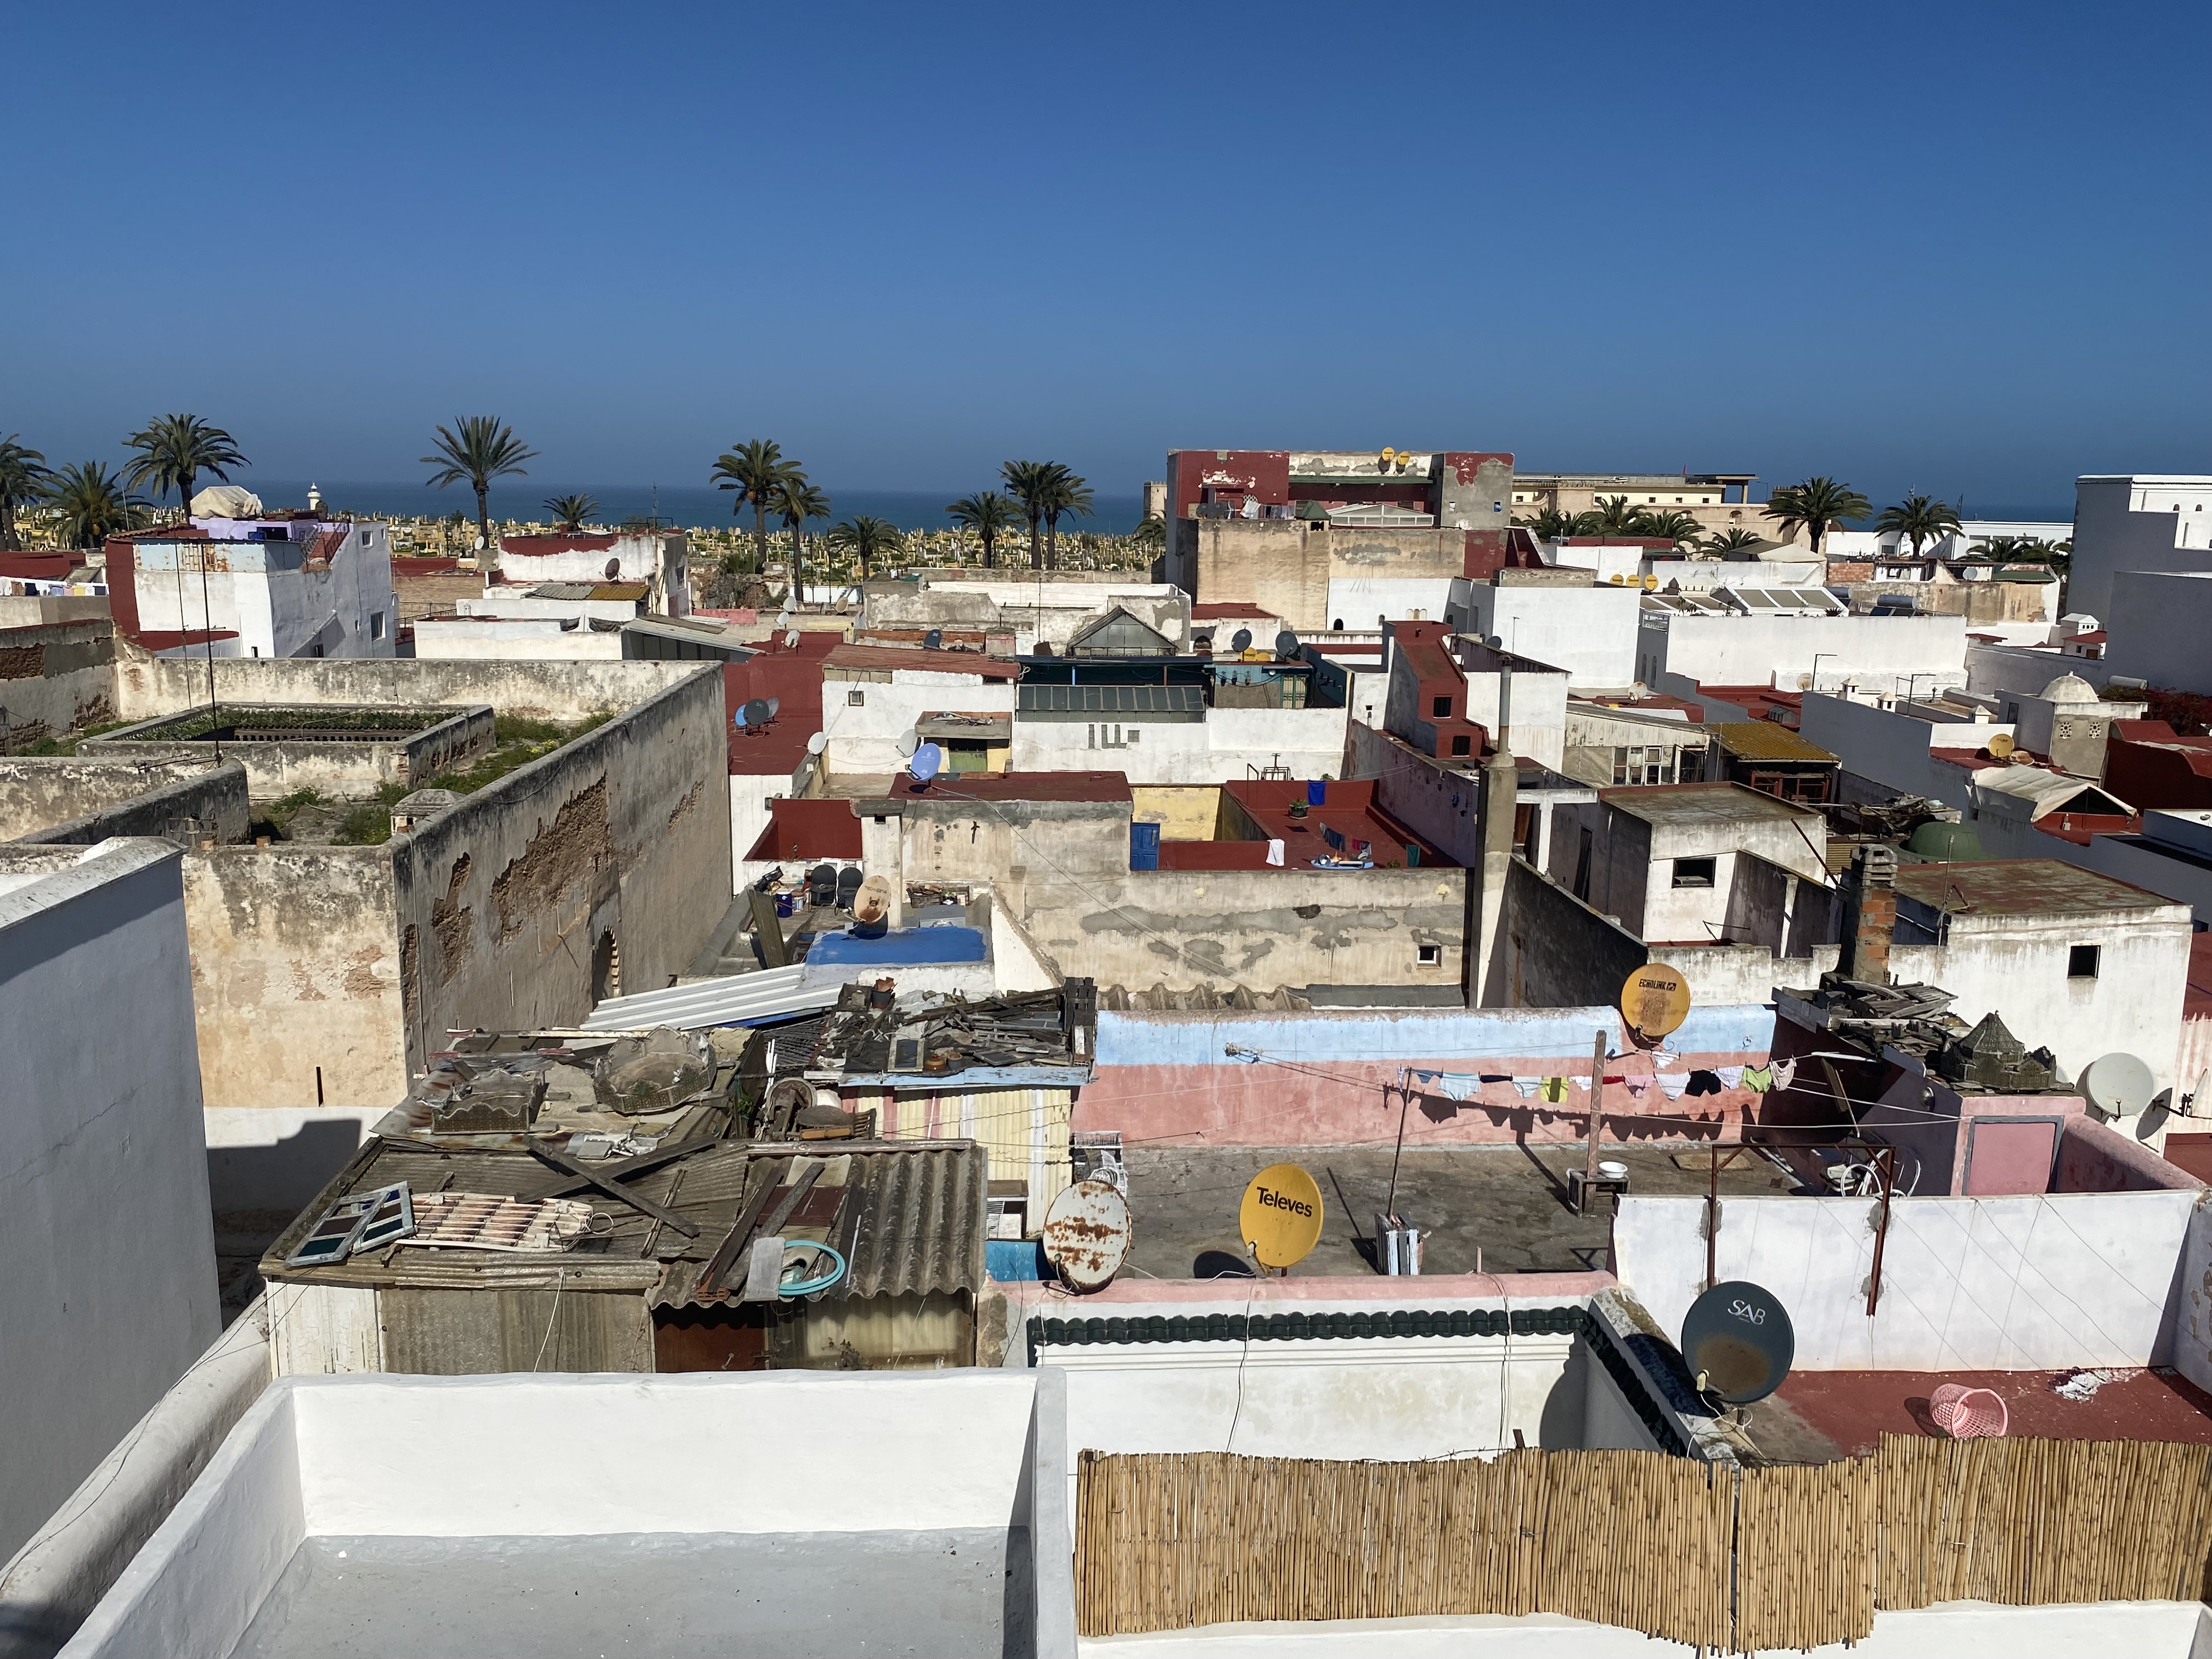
x=1730, y=1076
x=1638, y=1086
x=1554, y=1089
x=1275, y=853
x=1785, y=1073
x=1704, y=1083
x=1757, y=1078
x=1664, y=1058
x=1672, y=1083
x=1526, y=1086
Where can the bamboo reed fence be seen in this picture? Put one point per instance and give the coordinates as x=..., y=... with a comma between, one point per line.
x=1761, y=1558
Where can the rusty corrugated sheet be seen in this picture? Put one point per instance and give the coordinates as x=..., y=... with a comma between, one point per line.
x=472, y=1333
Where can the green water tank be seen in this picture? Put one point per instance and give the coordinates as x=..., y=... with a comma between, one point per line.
x=1946, y=843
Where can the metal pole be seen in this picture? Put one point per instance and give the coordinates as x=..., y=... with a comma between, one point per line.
x=1712, y=1214
x=1596, y=1117
x=1405, y=1100
x=1885, y=1167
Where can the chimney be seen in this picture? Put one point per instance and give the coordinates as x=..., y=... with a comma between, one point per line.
x=1873, y=915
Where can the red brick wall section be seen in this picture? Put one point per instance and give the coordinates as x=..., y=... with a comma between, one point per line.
x=123, y=586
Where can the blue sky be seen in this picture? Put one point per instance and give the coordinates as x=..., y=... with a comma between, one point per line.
x=1959, y=248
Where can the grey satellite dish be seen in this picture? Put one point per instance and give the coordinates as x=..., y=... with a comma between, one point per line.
x=2154, y=1115
x=934, y=639
x=1738, y=1339
x=754, y=713
x=818, y=743
x=1495, y=642
x=775, y=704
x=908, y=741
x=926, y=761
x=2118, y=1085
x=1286, y=644
x=1241, y=640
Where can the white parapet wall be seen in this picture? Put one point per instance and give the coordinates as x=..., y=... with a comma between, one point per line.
x=1967, y=1284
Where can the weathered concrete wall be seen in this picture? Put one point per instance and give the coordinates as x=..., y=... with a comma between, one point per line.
x=1555, y=951
x=1437, y=802
x=537, y=690
x=1051, y=611
x=1332, y=1078
x=59, y=800
x=295, y=967
x=610, y=858
x=107, y=1285
x=55, y=677
x=337, y=768
x=1229, y=745
x=1062, y=869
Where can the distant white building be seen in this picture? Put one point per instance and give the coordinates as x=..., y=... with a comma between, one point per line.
x=2136, y=522
x=277, y=584
x=661, y=559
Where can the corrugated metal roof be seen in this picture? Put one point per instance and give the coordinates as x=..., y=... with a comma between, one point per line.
x=732, y=999
x=1110, y=699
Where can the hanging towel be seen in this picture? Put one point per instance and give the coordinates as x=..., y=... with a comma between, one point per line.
x=1555, y=1089
x=1704, y=1083
x=1274, y=852
x=1757, y=1078
x=1526, y=1086
x=1730, y=1076
x=1673, y=1083
x=1785, y=1073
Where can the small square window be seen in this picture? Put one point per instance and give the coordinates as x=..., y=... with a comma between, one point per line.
x=2082, y=962
x=856, y=698
x=1441, y=708
x=1463, y=744
x=1431, y=955
x=1693, y=873
x=376, y=624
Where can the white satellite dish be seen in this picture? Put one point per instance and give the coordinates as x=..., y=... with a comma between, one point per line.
x=818, y=743
x=773, y=704
x=1086, y=1234
x=2118, y=1085
x=908, y=741
x=791, y=640
x=783, y=618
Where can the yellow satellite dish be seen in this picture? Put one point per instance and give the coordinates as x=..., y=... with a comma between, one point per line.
x=1654, y=1000
x=2000, y=746
x=1650, y=583
x=1280, y=1216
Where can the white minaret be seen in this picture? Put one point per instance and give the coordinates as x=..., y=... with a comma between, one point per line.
x=315, y=499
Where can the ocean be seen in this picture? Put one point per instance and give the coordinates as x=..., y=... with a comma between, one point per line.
x=523, y=499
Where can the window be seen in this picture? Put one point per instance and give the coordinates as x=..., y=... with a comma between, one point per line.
x=1431, y=955
x=1462, y=744
x=376, y=624
x=1652, y=763
x=1441, y=708
x=2082, y=962
x=1693, y=873
x=856, y=698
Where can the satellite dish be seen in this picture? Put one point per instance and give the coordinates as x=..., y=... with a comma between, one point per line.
x=754, y=713
x=1086, y=1234
x=773, y=704
x=1654, y=1000
x=791, y=640
x=1281, y=1217
x=2001, y=746
x=927, y=761
x=1241, y=640
x=934, y=639
x=871, y=902
x=2154, y=1115
x=1738, y=1339
x=818, y=743
x=1286, y=644
x=2119, y=1086
x=614, y=569
x=908, y=742
x=1804, y=682
x=783, y=618
x=1495, y=642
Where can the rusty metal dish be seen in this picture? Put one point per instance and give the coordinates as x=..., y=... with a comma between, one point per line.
x=1086, y=1234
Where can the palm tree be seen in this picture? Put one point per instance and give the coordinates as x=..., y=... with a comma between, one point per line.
x=23, y=473
x=1150, y=531
x=1729, y=541
x=867, y=538
x=175, y=450
x=481, y=450
x=1549, y=525
x=1064, y=493
x=1677, y=527
x=757, y=471
x=1816, y=504
x=571, y=513
x=1029, y=482
x=795, y=501
x=93, y=503
x=1611, y=516
x=1918, y=518
x=990, y=515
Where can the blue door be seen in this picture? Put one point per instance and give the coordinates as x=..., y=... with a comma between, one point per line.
x=1144, y=847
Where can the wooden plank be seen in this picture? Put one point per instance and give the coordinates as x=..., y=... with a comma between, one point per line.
x=733, y=1246
x=613, y=1188
x=620, y=1169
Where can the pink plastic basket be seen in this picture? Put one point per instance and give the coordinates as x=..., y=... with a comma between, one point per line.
x=1964, y=1412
